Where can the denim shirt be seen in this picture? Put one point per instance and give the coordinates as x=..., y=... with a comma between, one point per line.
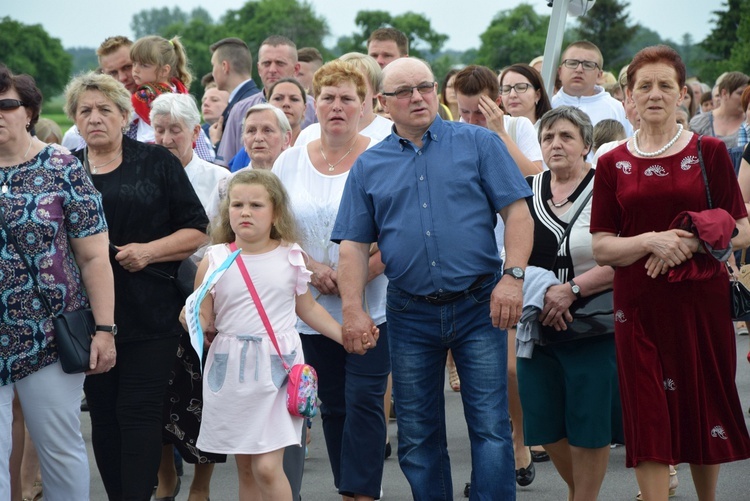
x=432, y=209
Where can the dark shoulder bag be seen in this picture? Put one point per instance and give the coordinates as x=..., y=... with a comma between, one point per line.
x=183, y=280
x=740, y=295
x=73, y=329
x=592, y=315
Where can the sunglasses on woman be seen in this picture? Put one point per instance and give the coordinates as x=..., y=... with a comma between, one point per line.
x=10, y=104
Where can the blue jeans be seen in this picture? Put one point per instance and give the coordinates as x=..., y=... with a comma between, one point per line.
x=351, y=389
x=420, y=334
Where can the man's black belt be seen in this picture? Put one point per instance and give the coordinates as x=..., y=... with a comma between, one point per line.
x=449, y=297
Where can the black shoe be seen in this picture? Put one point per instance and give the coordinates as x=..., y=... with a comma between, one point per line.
x=84, y=405
x=467, y=489
x=524, y=476
x=539, y=456
x=388, y=450
x=174, y=494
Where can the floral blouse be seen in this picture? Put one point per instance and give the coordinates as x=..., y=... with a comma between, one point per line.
x=45, y=201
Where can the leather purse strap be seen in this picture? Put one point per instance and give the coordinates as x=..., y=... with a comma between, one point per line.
x=711, y=204
x=705, y=176
x=573, y=220
x=570, y=225
x=32, y=271
x=258, y=304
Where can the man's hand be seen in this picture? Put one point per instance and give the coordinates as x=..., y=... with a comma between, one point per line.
x=358, y=329
x=103, y=353
x=506, y=302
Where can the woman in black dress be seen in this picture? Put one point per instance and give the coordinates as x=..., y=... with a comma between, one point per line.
x=156, y=220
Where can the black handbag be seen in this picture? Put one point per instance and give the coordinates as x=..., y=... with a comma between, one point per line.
x=73, y=329
x=740, y=295
x=592, y=315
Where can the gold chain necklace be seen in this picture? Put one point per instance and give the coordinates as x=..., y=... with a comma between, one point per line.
x=95, y=168
x=333, y=166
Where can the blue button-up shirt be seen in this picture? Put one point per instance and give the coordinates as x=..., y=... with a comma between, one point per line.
x=432, y=209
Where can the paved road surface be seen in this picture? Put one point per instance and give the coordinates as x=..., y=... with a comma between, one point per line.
x=619, y=483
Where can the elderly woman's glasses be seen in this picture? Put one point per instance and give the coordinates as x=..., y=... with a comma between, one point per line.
x=10, y=104
x=406, y=92
x=573, y=64
x=520, y=88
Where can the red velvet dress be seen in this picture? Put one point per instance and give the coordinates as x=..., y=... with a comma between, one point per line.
x=676, y=351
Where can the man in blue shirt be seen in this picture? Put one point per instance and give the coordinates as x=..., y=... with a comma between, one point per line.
x=429, y=194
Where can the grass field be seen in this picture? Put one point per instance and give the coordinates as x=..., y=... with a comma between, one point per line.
x=53, y=109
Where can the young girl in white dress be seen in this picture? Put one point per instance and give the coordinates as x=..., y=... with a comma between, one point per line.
x=244, y=397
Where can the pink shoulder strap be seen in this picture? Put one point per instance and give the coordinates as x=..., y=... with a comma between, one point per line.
x=258, y=304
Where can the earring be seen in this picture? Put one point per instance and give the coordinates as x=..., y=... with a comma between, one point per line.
x=28, y=125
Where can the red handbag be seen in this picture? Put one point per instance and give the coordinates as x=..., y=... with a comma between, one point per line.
x=302, y=381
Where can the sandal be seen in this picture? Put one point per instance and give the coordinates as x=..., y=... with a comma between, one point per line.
x=453, y=379
x=38, y=495
x=673, y=483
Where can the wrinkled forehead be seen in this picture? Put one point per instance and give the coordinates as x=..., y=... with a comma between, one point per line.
x=406, y=72
x=167, y=120
x=275, y=53
x=263, y=118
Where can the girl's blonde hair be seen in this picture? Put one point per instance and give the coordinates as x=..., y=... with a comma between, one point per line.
x=159, y=51
x=284, y=227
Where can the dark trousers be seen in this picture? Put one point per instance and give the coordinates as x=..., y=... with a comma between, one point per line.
x=351, y=389
x=126, y=417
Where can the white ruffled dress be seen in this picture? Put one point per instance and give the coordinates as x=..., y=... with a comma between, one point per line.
x=244, y=384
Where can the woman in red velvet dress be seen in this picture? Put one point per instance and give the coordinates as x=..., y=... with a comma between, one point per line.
x=675, y=341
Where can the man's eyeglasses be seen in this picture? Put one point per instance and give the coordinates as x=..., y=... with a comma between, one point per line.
x=520, y=88
x=573, y=64
x=10, y=104
x=406, y=92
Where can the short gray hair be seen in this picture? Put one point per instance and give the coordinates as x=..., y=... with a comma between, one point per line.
x=179, y=107
x=107, y=85
x=281, y=119
x=572, y=115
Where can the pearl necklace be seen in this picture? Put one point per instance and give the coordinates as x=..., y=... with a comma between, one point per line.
x=5, y=187
x=331, y=166
x=660, y=150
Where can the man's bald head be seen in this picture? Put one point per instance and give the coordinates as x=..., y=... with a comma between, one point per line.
x=404, y=64
x=416, y=109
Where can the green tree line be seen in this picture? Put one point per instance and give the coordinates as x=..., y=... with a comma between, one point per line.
x=513, y=35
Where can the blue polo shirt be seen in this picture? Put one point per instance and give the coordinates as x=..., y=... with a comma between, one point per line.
x=432, y=210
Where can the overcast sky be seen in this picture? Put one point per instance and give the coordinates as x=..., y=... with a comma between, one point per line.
x=85, y=23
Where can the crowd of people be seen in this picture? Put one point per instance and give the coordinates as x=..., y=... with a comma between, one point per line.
x=394, y=228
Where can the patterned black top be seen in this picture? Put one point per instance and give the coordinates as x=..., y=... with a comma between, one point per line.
x=146, y=198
